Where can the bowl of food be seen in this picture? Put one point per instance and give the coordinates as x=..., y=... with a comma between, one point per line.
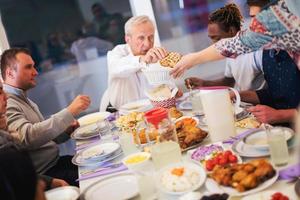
x=180, y=178
x=163, y=96
x=137, y=161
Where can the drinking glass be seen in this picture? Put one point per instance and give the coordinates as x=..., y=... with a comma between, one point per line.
x=196, y=102
x=104, y=130
x=278, y=146
x=127, y=143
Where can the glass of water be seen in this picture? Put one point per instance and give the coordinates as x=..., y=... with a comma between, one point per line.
x=278, y=146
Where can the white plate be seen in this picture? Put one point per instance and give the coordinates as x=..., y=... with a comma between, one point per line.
x=258, y=139
x=265, y=195
x=201, y=172
x=80, y=162
x=116, y=187
x=63, y=193
x=136, y=106
x=99, y=151
x=213, y=186
x=86, y=132
x=93, y=118
x=248, y=151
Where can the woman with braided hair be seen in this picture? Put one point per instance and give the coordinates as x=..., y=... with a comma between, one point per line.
x=277, y=26
x=226, y=22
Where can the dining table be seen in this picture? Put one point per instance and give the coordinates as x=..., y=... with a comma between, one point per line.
x=284, y=186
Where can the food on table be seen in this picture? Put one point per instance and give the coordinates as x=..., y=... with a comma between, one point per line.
x=279, y=196
x=249, y=122
x=174, y=113
x=143, y=138
x=170, y=60
x=213, y=155
x=136, y=159
x=222, y=159
x=223, y=196
x=188, y=133
x=180, y=179
x=161, y=92
x=245, y=176
x=185, y=122
x=204, y=152
x=129, y=122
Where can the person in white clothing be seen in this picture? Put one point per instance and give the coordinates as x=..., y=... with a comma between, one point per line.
x=241, y=72
x=126, y=82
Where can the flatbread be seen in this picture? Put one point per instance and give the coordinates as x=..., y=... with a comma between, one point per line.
x=170, y=60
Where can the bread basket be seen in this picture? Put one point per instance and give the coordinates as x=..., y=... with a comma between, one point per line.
x=164, y=102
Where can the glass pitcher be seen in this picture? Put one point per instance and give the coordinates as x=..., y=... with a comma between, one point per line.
x=167, y=149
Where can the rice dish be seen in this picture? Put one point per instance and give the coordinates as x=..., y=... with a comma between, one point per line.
x=180, y=179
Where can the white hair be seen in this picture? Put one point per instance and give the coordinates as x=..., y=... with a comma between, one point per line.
x=133, y=21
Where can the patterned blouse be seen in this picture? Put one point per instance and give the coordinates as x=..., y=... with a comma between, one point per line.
x=275, y=27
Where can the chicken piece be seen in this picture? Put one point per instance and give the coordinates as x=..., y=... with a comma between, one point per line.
x=248, y=168
x=249, y=181
x=264, y=172
x=238, y=187
x=258, y=162
x=239, y=175
x=222, y=175
x=193, y=135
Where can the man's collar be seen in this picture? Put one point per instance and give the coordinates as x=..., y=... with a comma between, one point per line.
x=13, y=90
x=129, y=49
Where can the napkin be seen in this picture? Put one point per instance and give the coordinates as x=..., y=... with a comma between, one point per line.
x=232, y=140
x=290, y=173
x=103, y=172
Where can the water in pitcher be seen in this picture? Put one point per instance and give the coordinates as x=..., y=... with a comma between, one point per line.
x=165, y=153
x=219, y=113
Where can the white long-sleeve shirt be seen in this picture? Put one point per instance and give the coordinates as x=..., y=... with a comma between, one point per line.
x=126, y=82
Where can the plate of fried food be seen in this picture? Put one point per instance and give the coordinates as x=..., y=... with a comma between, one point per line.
x=242, y=179
x=188, y=133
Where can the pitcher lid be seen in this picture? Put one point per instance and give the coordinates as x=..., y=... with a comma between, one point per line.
x=156, y=115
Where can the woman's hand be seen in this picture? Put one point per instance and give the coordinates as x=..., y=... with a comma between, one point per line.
x=186, y=62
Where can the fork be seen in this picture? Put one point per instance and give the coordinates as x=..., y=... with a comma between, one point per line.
x=111, y=166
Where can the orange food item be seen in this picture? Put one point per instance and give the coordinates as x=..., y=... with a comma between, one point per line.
x=178, y=171
x=186, y=122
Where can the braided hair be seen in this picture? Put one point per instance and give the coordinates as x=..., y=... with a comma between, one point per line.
x=259, y=3
x=227, y=17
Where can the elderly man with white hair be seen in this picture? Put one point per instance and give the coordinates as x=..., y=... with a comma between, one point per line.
x=126, y=82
